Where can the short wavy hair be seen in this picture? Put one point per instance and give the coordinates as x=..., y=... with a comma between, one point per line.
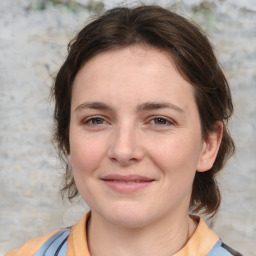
x=195, y=60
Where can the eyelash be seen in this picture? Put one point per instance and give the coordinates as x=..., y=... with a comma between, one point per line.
x=167, y=121
x=92, y=121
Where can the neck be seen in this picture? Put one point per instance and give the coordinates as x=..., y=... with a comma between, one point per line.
x=165, y=238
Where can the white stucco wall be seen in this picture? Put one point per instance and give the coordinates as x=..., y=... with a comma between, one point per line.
x=32, y=47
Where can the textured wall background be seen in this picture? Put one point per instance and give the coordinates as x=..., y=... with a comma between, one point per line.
x=33, y=39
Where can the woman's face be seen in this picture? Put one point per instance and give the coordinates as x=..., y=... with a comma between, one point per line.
x=135, y=136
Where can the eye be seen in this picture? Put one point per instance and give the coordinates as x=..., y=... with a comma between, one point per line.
x=94, y=121
x=161, y=121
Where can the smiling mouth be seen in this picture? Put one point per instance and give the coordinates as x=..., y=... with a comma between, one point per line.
x=127, y=184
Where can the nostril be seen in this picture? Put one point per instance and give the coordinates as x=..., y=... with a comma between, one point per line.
x=124, y=147
x=123, y=160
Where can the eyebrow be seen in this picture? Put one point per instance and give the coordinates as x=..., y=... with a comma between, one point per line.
x=147, y=106
x=158, y=105
x=93, y=105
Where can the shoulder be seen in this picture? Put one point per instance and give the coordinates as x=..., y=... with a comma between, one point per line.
x=33, y=245
x=206, y=242
x=221, y=249
x=57, y=242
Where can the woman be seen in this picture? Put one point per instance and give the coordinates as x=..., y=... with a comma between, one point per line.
x=141, y=112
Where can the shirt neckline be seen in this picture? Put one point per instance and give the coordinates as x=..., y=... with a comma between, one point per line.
x=200, y=243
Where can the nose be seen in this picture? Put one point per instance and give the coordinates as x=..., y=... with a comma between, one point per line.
x=125, y=147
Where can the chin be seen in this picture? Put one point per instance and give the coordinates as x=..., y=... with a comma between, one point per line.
x=128, y=217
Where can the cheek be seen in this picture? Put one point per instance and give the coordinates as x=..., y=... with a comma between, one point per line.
x=177, y=156
x=85, y=153
x=177, y=172
x=168, y=152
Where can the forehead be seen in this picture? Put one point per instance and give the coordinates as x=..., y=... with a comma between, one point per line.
x=137, y=72
x=130, y=56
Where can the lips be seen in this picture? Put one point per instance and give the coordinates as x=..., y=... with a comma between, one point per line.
x=127, y=183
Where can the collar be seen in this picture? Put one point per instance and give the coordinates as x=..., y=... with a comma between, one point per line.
x=201, y=242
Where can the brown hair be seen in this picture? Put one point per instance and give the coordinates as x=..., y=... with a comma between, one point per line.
x=194, y=58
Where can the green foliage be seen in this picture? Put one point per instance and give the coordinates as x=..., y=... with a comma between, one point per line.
x=72, y=5
x=204, y=14
x=96, y=6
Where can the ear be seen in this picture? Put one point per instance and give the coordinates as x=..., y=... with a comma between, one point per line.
x=210, y=149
